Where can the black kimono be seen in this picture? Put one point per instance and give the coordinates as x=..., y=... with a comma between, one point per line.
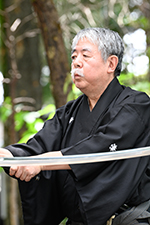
x=120, y=120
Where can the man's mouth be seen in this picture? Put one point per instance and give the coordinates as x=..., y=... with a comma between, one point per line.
x=76, y=72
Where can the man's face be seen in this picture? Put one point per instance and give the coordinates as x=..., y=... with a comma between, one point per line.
x=87, y=60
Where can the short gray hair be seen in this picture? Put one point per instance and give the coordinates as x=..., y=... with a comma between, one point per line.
x=109, y=43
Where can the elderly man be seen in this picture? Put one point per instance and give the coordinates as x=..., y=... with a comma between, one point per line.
x=107, y=117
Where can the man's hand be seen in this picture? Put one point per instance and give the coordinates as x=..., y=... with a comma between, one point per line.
x=5, y=153
x=25, y=173
x=22, y=172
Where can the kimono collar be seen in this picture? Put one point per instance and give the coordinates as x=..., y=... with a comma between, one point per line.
x=112, y=90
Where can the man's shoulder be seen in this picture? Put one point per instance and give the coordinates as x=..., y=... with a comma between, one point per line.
x=130, y=95
x=136, y=103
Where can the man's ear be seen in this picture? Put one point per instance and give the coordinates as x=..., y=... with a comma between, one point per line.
x=112, y=63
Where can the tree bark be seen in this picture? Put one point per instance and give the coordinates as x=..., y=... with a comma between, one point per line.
x=55, y=49
x=24, y=72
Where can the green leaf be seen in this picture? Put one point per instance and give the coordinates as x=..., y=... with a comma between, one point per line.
x=47, y=109
x=26, y=137
x=19, y=120
x=6, y=109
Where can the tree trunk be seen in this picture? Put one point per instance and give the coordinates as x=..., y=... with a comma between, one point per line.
x=55, y=49
x=24, y=72
x=28, y=59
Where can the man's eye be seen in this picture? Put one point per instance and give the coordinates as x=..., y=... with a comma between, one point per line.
x=73, y=57
x=86, y=56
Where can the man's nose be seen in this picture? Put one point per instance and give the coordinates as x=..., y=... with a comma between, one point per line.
x=77, y=62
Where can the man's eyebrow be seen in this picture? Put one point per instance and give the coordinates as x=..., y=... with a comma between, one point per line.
x=83, y=50
x=74, y=50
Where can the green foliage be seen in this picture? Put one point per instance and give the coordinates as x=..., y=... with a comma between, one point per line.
x=74, y=93
x=142, y=86
x=144, y=22
x=63, y=222
x=139, y=83
x=126, y=79
x=117, y=8
x=33, y=121
x=6, y=109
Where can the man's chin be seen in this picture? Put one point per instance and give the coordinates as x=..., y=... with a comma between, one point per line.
x=79, y=86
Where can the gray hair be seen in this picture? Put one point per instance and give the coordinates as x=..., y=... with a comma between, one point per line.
x=108, y=42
